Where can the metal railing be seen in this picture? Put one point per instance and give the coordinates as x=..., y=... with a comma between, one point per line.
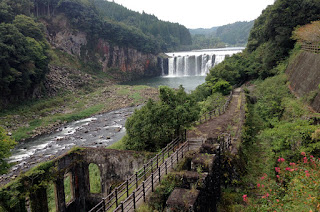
x=126, y=195
x=216, y=112
x=310, y=47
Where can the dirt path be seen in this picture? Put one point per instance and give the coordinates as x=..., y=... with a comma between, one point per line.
x=221, y=124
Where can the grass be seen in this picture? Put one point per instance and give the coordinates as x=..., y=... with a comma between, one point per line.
x=51, y=198
x=68, y=188
x=118, y=145
x=95, y=179
x=33, y=117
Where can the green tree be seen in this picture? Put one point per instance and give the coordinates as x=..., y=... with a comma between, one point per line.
x=157, y=123
x=6, y=144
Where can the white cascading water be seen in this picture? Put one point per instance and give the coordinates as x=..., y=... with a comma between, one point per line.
x=197, y=63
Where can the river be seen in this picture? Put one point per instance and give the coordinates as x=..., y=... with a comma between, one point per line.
x=105, y=129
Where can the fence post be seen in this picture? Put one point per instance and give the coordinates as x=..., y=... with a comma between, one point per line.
x=104, y=204
x=151, y=166
x=157, y=161
x=144, y=192
x=166, y=165
x=122, y=206
x=127, y=188
x=144, y=171
x=136, y=179
x=134, y=200
x=177, y=155
x=116, y=194
x=159, y=174
x=162, y=156
x=152, y=181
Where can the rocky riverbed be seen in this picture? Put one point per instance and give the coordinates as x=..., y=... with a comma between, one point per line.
x=97, y=131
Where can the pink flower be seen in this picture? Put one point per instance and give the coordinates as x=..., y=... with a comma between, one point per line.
x=267, y=195
x=277, y=200
x=262, y=185
x=303, y=153
x=262, y=178
x=288, y=169
x=245, y=198
x=305, y=160
x=307, y=174
x=258, y=185
x=278, y=176
x=311, y=156
x=281, y=159
x=292, y=164
x=277, y=169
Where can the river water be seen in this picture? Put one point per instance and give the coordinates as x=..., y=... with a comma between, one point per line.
x=99, y=130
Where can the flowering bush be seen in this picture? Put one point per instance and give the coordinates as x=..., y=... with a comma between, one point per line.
x=294, y=187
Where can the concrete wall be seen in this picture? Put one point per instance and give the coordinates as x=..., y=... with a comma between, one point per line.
x=304, y=76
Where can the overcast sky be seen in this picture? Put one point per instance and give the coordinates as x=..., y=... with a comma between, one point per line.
x=199, y=13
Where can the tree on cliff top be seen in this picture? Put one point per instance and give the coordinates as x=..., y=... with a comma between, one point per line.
x=6, y=144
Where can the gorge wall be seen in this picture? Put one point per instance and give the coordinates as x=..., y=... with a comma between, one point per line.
x=121, y=62
x=304, y=76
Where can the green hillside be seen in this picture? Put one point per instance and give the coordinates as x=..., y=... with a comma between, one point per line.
x=235, y=34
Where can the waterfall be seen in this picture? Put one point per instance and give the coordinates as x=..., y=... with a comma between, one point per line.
x=196, y=63
x=162, y=69
x=193, y=65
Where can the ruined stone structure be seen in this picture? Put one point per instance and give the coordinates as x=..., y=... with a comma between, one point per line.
x=114, y=166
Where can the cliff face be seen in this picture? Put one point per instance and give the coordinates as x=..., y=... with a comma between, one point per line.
x=123, y=63
x=304, y=76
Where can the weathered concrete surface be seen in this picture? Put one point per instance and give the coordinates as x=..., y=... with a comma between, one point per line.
x=304, y=76
x=183, y=200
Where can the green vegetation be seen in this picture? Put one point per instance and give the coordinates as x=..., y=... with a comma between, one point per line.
x=13, y=195
x=157, y=123
x=24, y=57
x=235, y=34
x=95, y=178
x=51, y=197
x=33, y=117
x=6, y=144
x=269, y=42
x=165, y=35
x=67, y=188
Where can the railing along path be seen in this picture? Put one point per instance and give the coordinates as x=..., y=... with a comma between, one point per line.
x=125, y=196
x=216, y=112
x=310, y=47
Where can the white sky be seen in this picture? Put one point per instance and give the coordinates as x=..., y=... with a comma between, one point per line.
x=200, y=13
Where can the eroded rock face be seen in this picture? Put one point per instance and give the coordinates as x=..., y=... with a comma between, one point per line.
x=121, y=62
x=62, y=36
x=126, y=63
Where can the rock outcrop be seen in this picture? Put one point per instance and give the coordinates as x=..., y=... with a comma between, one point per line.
x=121, y=62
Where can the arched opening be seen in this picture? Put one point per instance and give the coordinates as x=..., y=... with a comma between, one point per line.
x=95, y=178
x=68, y=188
x=51, y=197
